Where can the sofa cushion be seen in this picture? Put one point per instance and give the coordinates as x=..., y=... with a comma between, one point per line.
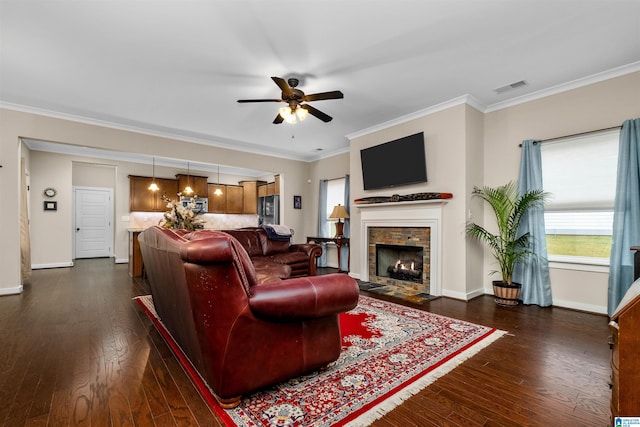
x=271, y=246
x=267, y=267
x=249, y=240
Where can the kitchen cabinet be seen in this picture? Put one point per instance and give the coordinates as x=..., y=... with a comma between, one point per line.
x=250, y=196
x=141, y=199
x=135, y=255
x=234, y=199
x=197, y=183
x=217, y=204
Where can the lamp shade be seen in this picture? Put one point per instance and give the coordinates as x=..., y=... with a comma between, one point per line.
x=339, y=212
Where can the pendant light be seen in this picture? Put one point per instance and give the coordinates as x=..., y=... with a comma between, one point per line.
x=218, y=191
x=188, y=190
x=154, y=186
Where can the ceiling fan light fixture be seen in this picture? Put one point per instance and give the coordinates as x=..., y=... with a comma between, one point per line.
x=292, y=116
x=287, y=115
x=302, y=113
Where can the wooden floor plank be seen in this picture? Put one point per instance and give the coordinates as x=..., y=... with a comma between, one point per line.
x=76, y=351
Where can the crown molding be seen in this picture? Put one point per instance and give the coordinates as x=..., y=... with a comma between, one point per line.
x=169, y=133
x=564, y=87
x=465, y=99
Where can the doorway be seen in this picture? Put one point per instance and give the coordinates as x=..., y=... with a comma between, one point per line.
x=93, y=222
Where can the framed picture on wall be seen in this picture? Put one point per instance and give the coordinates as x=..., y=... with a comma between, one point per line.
x=50, y=206
x=297, y=202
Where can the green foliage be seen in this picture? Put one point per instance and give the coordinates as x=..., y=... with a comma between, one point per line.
x=507, y=247
x=579, y=245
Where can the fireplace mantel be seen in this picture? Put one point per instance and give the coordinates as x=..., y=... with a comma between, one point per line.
x=415, y=213
x=401, y=204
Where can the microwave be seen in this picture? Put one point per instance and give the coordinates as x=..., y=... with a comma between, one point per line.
x=200, y=204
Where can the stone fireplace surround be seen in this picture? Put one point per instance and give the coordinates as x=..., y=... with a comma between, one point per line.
x=422, y=213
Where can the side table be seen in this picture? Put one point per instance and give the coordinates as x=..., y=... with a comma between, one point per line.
x=339, y=242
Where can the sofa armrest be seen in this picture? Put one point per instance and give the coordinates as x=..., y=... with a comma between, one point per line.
x=312, y=250
x=206, y=251
x=304, y=297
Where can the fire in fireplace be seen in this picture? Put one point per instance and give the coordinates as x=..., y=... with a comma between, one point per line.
x=399, y=262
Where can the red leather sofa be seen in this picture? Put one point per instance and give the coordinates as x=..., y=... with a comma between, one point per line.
x=239, y=333
x=269, y=254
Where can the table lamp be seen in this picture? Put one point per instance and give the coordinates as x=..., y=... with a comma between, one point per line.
x=339, y=212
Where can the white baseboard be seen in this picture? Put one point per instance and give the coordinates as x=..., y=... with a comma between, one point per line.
x=122, y=260
x=455, y=295
x=354, y=275
x=11, y=291
x=52, y=265
x=598, y=309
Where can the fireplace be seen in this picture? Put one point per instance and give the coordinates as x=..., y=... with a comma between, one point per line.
x=414, y=227
x=400, y=256
x=399, y=262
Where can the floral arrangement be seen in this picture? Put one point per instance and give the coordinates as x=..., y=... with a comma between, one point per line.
x=180, y=217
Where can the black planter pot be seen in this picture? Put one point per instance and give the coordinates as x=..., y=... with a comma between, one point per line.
x=505, y=294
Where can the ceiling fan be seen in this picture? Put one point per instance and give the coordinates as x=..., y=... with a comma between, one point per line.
x=295, y=98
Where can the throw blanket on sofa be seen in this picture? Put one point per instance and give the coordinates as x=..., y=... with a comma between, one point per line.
x=278, y=232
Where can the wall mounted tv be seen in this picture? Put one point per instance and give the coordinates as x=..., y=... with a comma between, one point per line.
x=394, y=163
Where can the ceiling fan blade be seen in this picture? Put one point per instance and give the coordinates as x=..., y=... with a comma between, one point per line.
x=315, y=112
x=284, y=86
x=278, y=120
x=336, y=94
x=259, y=100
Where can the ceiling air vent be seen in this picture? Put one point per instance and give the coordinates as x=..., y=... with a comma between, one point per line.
x=510, y=86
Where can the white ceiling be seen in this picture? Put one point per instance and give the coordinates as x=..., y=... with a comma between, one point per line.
x=178, y=67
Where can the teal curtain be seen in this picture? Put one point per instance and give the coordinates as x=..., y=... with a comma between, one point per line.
x=344, y=250
x=626, y=215
x=323, y=229
x=534, y=273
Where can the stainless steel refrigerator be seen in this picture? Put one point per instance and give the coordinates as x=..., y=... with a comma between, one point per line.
x=269, y=209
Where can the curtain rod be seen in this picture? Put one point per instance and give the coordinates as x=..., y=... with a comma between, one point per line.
x=575, y=134
x=333, y=179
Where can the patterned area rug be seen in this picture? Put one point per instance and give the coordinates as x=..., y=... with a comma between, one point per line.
x=390, y=352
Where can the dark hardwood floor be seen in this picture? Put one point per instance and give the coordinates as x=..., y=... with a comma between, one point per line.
x=76, y=350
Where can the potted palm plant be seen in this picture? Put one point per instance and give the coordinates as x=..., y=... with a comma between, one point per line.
x=507, y=246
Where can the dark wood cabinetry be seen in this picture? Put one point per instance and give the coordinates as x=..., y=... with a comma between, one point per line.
x=269, y=188
x=217, y=203
x=197, y=183
x=250, y=196
x=625, y=359
x=135, y=256
x=141, y=199
x=235, y=199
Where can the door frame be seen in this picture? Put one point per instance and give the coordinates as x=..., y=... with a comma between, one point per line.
x=110, y=212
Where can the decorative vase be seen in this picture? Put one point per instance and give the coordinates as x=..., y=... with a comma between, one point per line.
x=505, y=294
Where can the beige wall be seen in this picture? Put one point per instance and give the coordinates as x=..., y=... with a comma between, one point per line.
x=592, y=107
x=447, y=145
x=329, y=168
x=464, y=147
x=58, y=246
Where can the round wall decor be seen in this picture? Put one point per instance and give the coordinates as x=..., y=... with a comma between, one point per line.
x=50, y=192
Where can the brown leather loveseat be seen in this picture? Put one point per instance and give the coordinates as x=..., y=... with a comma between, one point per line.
x=269, y=255
x=239, y=334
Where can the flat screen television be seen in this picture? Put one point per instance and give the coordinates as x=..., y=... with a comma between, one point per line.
x=394, y=163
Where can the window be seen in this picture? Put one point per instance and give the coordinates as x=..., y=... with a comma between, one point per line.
x=335, y=196
x=580, y=174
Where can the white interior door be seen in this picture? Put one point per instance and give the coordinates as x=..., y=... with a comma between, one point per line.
x=93, y=222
